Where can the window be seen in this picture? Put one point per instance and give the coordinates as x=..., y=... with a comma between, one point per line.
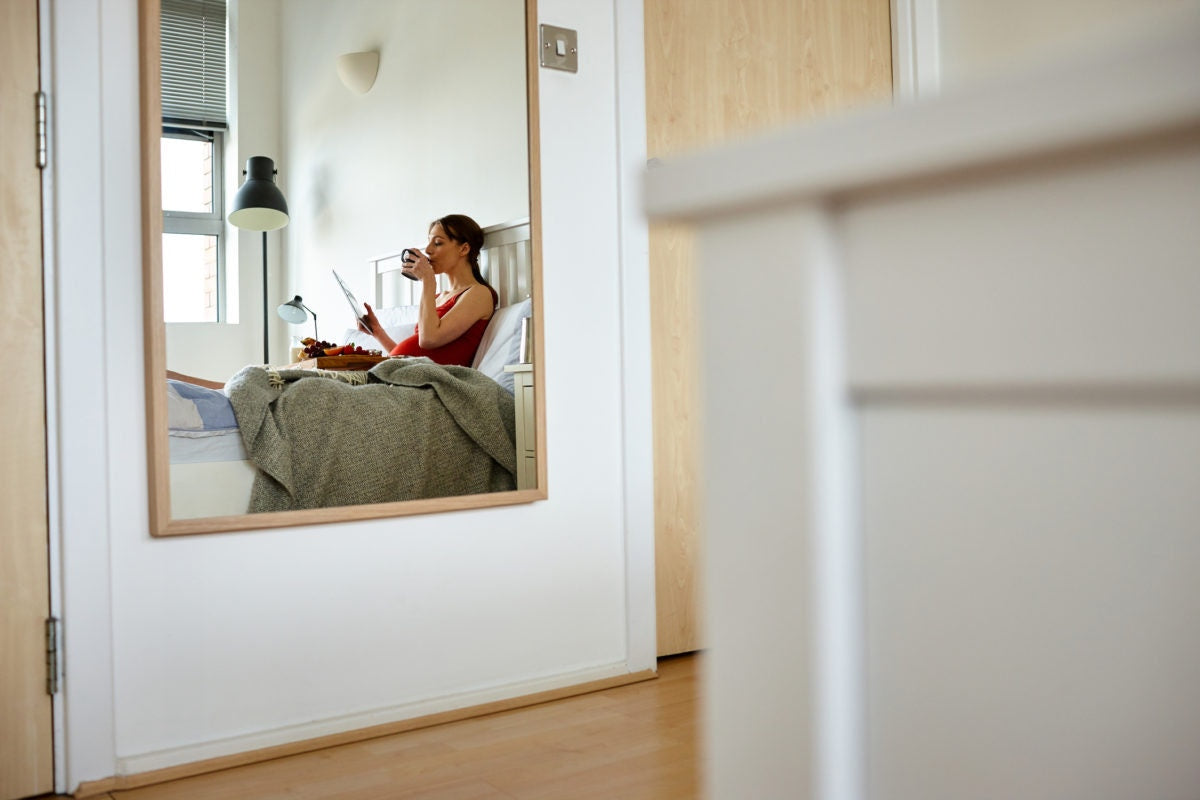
x=193, y=144
x=193, y=226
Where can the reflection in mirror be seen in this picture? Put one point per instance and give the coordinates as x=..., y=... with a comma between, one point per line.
x=443, y=127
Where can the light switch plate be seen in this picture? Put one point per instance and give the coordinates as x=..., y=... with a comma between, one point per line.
x=560, y=48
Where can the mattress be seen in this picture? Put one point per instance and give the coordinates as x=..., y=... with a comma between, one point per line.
x=210, y=488
x=191, y=447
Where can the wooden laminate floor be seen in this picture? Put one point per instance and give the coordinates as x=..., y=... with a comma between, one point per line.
x=636, y=742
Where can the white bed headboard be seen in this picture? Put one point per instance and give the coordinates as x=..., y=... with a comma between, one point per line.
x=506, y=262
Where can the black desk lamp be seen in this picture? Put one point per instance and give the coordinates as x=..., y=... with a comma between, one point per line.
x=293, y=311
x=260, y=206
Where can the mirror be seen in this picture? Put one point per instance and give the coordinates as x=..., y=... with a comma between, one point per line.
x=366, y=164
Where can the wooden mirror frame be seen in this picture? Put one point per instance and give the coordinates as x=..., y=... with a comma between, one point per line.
x=158, y=457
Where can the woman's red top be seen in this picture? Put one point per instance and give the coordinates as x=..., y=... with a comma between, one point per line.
x=461, y=351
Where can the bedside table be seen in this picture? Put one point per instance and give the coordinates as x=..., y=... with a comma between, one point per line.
x=526, y=425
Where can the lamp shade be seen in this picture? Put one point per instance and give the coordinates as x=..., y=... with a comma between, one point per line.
x=294, y=312
x=258, y=204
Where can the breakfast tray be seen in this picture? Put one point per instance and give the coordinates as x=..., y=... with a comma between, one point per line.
x=339, y=362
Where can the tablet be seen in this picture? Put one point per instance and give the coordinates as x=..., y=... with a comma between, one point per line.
x=355, y=307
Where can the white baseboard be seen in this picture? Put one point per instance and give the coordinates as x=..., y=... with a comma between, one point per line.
x=290, y=734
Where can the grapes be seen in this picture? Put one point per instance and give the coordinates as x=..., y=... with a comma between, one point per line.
x=316, y=349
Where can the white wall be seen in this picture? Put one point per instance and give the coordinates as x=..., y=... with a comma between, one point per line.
x=191, y=647
x=442, y=131
x=217, y=350
x=977, y=38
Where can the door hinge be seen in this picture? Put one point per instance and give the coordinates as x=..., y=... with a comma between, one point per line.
x=52, y=655
x=40, y=100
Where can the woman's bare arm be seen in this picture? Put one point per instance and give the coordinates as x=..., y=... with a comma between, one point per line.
x=473, y=305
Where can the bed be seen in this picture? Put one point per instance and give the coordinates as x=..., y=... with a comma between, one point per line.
x=213, y=473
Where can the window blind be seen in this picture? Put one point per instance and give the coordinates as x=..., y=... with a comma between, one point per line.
x=193, y=63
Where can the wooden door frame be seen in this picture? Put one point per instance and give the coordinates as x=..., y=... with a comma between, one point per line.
x=33, y=210
x=50, y=325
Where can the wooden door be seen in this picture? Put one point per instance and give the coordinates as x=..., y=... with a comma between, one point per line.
x=26, y=745
x=716, y=70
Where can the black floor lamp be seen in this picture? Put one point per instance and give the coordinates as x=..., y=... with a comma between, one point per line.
x=260, y=206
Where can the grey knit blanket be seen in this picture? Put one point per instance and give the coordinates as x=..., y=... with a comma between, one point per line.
x=406, y=429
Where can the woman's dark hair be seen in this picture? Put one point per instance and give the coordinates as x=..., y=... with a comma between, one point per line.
x=462, y=228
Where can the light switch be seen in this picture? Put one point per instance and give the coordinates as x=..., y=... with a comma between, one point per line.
x=560, y=49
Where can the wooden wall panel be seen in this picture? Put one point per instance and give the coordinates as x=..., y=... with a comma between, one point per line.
x=717, y=70
x=26, y=749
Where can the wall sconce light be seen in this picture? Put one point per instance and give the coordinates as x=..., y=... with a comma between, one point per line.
x=358, y=70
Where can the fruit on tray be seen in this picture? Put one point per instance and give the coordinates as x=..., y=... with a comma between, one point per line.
x=317, y=349
x=354, y=350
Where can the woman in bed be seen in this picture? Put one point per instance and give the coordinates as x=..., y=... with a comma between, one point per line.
x=451, y=323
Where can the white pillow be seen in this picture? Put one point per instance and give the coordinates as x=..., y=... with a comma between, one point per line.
x=501, y=343
x=399, y=322
x=398, y=315
x=182, y=413
x=368, y=342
